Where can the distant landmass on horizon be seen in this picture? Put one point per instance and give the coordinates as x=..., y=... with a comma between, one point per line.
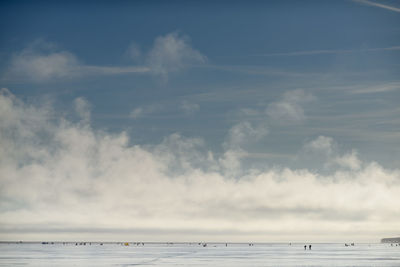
x=391, y=240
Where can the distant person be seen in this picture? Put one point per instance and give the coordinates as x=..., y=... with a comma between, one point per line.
x=305, y=247
x=309, y=247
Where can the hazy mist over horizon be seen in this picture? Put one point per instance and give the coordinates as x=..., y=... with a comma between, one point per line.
x=225, y=121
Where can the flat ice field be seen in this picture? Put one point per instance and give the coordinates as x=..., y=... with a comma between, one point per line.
x=196, y=255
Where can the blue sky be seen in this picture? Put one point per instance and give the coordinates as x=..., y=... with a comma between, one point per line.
x=226, y=90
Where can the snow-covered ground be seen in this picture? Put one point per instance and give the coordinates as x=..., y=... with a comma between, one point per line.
x=196, y=255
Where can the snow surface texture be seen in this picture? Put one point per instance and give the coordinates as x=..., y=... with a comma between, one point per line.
x=196, y=255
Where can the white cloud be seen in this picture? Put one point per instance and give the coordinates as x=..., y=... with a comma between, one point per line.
x=182, y=155
x=349, y=160
x=42, y=61
x=112, y=70
x=172, y=53
x=230, y=162
x=239, y=137
x=332, y=51
x=326, y=149
x=82, y=108
x=136, y=113
x=322, y=144
x=59, y=178
x=290, y=107
x=376, y=4
x=143, y=111
x=244, y=133
x=38, y=65
x=189, y=107
x=382, y=88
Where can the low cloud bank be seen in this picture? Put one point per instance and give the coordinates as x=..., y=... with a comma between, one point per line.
x=64, y=179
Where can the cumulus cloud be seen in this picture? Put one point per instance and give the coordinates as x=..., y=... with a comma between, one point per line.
x=64, y=180
x=82, y=108
x=172, y=53
x=40, y=62
x=322, y=144
x=349, y=160
x=243, y=133
x=238, y=138
x=327, y=150
x=290, y=107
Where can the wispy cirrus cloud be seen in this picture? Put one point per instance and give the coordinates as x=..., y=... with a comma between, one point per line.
x=380, y=88
x=331, y=51
x=376, y=4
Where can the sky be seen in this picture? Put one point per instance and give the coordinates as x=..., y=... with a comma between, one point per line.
x=232, y=121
